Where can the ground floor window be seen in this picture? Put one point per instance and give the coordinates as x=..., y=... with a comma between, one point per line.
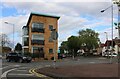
x=38, y=52
x=50, y=50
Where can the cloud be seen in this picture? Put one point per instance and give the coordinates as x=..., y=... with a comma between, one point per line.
x=74, y=15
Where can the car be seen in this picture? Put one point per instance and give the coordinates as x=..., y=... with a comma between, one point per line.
x=113, y=55
x=18, y=57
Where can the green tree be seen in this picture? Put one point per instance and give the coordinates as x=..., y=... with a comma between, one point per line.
x=18, y=47
x=74, y=44
x=63, y=47
x=89, y=38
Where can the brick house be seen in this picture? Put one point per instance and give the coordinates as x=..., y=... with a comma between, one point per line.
x=36, y=35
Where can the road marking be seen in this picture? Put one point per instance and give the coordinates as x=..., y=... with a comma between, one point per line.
x=4, y=67
x=32, y=71
x=47, y=65
x=91, y=62
x=5, y=73
x=21, y=70
x=21, y=74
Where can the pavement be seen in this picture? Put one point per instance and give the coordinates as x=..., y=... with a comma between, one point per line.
x=84, y=70
x=14, y=70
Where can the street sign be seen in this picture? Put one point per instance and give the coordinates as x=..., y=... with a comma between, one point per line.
x=54, y=35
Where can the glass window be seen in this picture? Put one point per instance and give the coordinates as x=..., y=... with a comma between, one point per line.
x=50, y=27
x=25, y=31
x=26, y=41
x=50, y=50
x=37, y=37
x=38, y=25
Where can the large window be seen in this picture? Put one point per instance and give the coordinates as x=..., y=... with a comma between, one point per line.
x=37, y=37
x=38, y=52
x=26, y=41
x=25, y=30
x=38, y=27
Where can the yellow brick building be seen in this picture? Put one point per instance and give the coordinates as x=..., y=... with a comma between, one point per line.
x=36, y=35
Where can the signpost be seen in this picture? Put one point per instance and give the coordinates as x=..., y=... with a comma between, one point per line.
x=54, y=36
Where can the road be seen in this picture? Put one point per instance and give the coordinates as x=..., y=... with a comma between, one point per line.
x=15, y=70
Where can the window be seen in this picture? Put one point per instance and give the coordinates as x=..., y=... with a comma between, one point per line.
x=37, y=37
x=26, y=41
x=25, y=31
x=38, y=25
x=50, y=50
x=50, y=27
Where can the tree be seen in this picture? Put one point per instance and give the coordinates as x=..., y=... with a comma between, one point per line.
x=89, y=38
x=4, y=41
x=74, y=44
x=63, y=47
x=18, y=47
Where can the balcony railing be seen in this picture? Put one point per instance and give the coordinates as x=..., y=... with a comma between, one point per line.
x=38, y=42
x=41, y=30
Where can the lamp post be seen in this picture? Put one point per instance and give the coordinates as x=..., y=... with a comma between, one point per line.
x=106, y=39
x=111, y=29
x=13, y=31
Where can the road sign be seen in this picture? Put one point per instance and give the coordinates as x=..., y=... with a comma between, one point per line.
x=54, y=35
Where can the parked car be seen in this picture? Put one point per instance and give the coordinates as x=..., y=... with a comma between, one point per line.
x=17, y=57
x=113, y=55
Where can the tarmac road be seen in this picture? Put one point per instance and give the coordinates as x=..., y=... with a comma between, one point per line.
x=13, y=70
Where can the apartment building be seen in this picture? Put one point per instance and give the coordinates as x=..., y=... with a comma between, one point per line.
x=37, y=35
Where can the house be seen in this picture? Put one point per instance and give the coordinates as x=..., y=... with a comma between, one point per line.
x=37, y=35
x=108, y=46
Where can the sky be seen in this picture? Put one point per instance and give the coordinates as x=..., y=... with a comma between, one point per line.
x=74, y=16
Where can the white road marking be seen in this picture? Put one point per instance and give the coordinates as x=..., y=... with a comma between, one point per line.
x=9, y=66
x=5, y=73
x=47, y=65
x=4, y=67
x=21, y=70
x=21, y=74
x=91, y=62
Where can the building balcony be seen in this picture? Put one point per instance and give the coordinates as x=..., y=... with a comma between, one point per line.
x=38, y=42
x=41, y=30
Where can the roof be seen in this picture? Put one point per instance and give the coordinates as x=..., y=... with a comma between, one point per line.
x=109, y=43
x=38, y=14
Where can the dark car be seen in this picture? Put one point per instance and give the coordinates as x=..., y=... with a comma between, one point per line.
x=17, y=57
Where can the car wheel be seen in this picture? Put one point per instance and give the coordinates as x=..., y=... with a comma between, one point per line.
x=28, y=61
x=8, y=60
x=20, y=60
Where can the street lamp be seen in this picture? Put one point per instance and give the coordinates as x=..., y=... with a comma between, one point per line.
x=106, y=39
x=111, y=27
x=13, y=31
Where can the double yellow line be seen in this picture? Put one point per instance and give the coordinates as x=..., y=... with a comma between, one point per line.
x=32, y=71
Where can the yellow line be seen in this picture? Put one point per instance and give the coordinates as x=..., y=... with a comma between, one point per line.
x=32, y=71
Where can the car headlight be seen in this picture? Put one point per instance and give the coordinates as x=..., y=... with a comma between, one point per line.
x=24, y=57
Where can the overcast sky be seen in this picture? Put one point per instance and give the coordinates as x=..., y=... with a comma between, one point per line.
x=74, y=16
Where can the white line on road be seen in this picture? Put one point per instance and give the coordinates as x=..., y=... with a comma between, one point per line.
x=4, y=67
x=21, y=70
x=5, y=73
x=21, y=74
x=9, y=66
x=91, y=62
